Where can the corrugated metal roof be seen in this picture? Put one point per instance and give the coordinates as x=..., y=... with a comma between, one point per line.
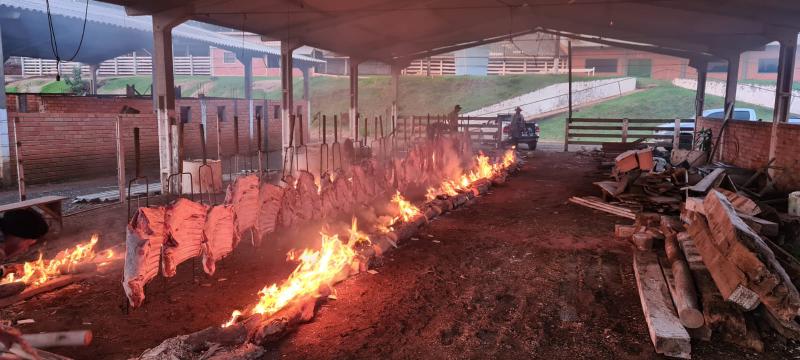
x=113, y=15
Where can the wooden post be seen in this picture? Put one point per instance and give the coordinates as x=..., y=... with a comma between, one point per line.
x=567, y=122
x=676, y=136
x=120, y=161
x=18, y=154
x=624, y=130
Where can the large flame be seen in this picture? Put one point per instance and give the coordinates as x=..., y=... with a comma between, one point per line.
x=407, y=210
x=39, y=271
x=483, y=169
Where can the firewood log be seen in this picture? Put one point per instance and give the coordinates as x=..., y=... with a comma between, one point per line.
x=145, y=235
x=12, y=288
x=81, y=268
x=61, y=338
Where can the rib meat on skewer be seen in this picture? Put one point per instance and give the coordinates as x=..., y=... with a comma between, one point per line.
x=243, y=195
x=269, y=204
x=145, y=234
x=218, y=235
x=308, y=205
x=185, y=222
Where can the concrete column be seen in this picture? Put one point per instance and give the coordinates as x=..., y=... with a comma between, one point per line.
x=783, y=89
x=353, y=71
x=732, y=81
x=164, y=95
x=93, y=82
x=5, y=141
x=247, y=62
x=306, y=81
x=287, y=91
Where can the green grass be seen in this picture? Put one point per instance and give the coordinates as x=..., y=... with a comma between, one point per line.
x=661, y=101
x=12, y=89
x=231, y=87
x=419, y=94
x=56, y=87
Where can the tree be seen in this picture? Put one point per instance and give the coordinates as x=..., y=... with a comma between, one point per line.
x=75, y=83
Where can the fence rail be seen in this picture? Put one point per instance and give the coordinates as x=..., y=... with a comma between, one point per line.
x=445, y=65
x=593, y=131
x=119, y=66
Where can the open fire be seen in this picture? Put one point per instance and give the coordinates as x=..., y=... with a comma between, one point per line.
x=40, y=271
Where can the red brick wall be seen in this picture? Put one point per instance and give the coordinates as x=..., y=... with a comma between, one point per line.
x=220, y=68
x=746, y=144
x=79, y=141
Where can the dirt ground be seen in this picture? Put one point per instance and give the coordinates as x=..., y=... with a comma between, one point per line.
x=519, y=273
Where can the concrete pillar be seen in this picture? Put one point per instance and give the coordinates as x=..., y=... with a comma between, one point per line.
x=732, y=81
x=5, y=140
x=353, y=71
x=93, y=82
x=164, y=95
x=783, y=89
x=247, y=62
x=287, y=91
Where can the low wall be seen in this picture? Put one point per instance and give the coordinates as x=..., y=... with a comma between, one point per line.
x=762, y=95
x=554, y=97
x=746, y=144
x=69, y=146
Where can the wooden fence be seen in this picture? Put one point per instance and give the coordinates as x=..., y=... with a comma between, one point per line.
x=120, y=66
x=580, y=131
x=485, y=132
x=446, y=65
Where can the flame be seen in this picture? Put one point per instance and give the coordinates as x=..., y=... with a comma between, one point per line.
x=431, y=193
x=356, y=236
x=39, y=271
x=386, y=223
x=235, y=315
x=407, y=209
x=483, y=169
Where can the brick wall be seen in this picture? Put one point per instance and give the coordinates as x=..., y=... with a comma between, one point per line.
x=746, y=144
x=78, y=141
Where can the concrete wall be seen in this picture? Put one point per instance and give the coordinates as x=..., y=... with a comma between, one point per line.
x=763, y=95
x=663, y=67
x=69, y=137
x=746, y=144
x=554, y=97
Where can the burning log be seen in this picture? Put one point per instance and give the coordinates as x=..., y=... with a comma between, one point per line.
x=61, y=338
x=80, y=268
x=145, y=235
x=270, y=198
x=218, y=236
x=481, y=187
x=185, y=222
x=12, y=288
x=243, y=195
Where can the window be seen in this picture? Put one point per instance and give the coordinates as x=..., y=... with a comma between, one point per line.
x=220, y=113
x=186, y=112
x=768, y=66
x=602, y=65
x=259, y=112
x=276, y=114
x=228, y=57
x=718, y=67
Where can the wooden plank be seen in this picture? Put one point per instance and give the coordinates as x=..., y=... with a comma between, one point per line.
x=748, y=252
x=761, y=226
x=599, y=205
x=631, y=121
x=31, y=202
x=667, y=334
x=708, y=182
x=741, y=203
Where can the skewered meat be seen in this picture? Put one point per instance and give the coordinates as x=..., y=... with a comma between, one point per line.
x=360, y=186
x=218, y=236
x=286, y=214
x=145, y=235
x=185, y=222
x=243, y=195
x=269, y=205
x=327, y=194
x=308, y=204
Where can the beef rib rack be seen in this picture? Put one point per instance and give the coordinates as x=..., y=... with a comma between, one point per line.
x=269, y=206
x=243, y=195
x=185, y=222
x=145, y=234
x=218, y=236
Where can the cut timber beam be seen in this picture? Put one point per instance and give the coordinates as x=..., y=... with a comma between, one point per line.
x=666, y=332
x=728, y=278
x=748, y=252
x=600, y=205
x=710, y=181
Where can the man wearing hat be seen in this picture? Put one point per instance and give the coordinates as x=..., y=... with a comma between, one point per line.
x=517, y=124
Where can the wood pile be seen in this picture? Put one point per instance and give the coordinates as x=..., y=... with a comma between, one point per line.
x=708, y=246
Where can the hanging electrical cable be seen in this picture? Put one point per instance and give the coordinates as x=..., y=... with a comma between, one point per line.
x=54, y=40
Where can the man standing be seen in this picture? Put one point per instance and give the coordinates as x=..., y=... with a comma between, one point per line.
x=452, y=118
x=517, y=124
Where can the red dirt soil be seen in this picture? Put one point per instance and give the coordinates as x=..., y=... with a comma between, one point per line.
x=519, y=273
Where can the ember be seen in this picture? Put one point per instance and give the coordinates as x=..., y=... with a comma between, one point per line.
x=40, y=271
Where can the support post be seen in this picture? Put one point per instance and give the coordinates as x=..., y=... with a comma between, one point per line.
x=353, y=70
x=569, y=95
x=700, y=93
x=287, y=91
x=121, y=180
x=20, y=167
x=247, y=62
x=783, y=90
x=731, y=83
x=93, y=82
x=306, y=80
x=5, y=139
x=164, y=95
x=395, y=88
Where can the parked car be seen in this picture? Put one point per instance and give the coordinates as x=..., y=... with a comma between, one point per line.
x=738, y=114
x=530, y=133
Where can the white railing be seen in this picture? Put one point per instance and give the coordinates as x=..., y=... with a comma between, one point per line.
x=119, y=66
x=445, y=65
